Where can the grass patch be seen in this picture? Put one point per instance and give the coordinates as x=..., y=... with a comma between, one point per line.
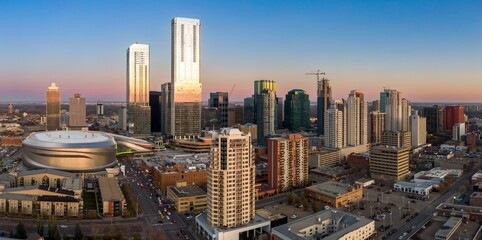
x=131, y=199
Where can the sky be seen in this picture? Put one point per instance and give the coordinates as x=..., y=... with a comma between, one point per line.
x=429, y=50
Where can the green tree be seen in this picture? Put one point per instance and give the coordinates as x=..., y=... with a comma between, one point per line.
x=78, y=232
x=20, y=231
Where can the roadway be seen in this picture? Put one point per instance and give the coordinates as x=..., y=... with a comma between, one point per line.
x=425, y=215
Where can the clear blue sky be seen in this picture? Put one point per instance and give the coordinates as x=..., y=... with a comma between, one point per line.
x=430, y=50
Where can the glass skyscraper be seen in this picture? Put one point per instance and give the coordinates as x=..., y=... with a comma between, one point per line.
x=185, y=77
x=297, y=110
x=138, y=110
x=53, y=108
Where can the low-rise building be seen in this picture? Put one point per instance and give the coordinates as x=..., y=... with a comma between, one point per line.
x=324, y=157
x=168, y=176
x=252, y=230
x=187, y=198
x=365, y=182
x=16, y=204
x=328, y=224
x=46, y=176
x=477, y=177
x=113, y=202
x=334, y=194
x=411, y=187
x=59, y=206
x=387, y=162
x=320, y=175
x=448, y=228
x=469, y=213
x=476, y=199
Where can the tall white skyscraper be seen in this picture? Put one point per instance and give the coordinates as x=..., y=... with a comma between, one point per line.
x=357, y=119
x=185, y=77
x=406, y=111
x=231, y=180
x=418, y=127
x=335, y=125
x=393, y=110
x=138, y=80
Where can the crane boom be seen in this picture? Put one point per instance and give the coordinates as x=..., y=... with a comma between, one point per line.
x=231, y=92
x=318, y=73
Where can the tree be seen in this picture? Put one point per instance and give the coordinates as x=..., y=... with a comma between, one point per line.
x=40, y=226
x=306, y=204
x=53, y=230
x=20, y=231
x=292, y=198
x=78, y=232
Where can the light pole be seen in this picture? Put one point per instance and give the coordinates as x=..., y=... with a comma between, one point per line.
x=371, y=211
x=400, y=212
x=384, y=223
x=390, y=218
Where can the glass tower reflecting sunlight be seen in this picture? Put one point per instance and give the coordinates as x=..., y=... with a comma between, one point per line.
x=185, y=78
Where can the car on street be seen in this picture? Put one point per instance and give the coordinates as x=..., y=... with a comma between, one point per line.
x=63, y=226
x=293, y=216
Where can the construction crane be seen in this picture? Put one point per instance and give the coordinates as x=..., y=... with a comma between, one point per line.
x=231, y=92
x=317, y=73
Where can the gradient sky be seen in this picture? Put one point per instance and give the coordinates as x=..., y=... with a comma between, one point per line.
x=429, y=50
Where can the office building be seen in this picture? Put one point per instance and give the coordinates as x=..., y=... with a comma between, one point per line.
x=265, y=109
x=418, y=130
x=185, y=77
x=389, y=162
x=122, y=123
x=324, y=99
x=155, y=102
x=99, y=109
x=279, y=113
x=327, y=225
x=377, y=126
x=397, y=139
x=431, y=114
x=335, y=125
x=235, y=115
x=458, y=131
x=383, y=101
x=334, y=194
x=231, y=180
x=356, y=119
x=288, y=159
x=220, y=101
x=375, y=105
x=168, y=176
x=166, y=104
x=187, y=198
x=393, y=109
x=53, y=108
x=297, y=110
x=77, y=111
x=248, y=111
x=138, y=80
x=406, y=111
x=324, y=157
x=453, y=115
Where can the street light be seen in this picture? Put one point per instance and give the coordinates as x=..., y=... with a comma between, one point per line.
x=400, y=212
x=137, y=206
x=371, y=211
x=390, y=218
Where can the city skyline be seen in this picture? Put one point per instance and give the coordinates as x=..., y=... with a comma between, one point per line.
x=410, y=47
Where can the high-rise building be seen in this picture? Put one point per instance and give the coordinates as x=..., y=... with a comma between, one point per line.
x=166, y=108
x=453, y=115
x=77, y=112
x=288, y=160
x=138, y=80
x=123, y=118
x=155, y=102
x=100, y=109
x=53, y=108
x=265, y=109
x=356, y=119
x=231, y=180
x=279, y=113
x=335, y=125
x=248, y=111
x=297, y=110
x=185, y=77
x=388, y=162
x=375, y=105
x=392, y=108
x=220, y=101
x=10, y=109
x=265, y=114
x=406, y=111
x=418, y=127
x=377, y=126
x=431, y=114
x=324, y=99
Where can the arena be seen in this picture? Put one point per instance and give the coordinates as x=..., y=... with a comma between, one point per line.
x=74, y=151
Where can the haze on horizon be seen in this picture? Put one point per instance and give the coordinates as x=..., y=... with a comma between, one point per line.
x=429, y=50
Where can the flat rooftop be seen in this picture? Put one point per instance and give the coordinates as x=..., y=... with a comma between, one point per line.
x=413, y=185
x=109, y=189
x=269, y=215
x=187, y=191
x=331, y=188
x=350, y=221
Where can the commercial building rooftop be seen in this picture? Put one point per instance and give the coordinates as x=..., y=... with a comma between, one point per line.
x=187, y=191
x=331, y=188
x=295, y=229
